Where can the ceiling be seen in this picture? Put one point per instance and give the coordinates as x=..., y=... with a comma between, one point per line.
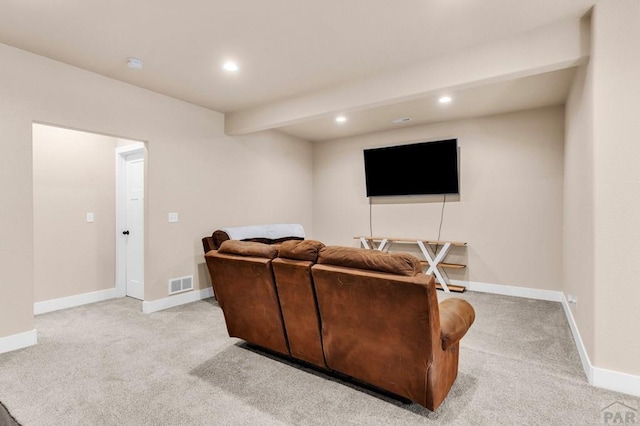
x=284, y=48
x=551, y=88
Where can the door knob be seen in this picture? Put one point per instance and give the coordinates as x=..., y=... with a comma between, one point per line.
x=125, y=232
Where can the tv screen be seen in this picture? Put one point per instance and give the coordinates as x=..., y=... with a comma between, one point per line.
x=415, y=169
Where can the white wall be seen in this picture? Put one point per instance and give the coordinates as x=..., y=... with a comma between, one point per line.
x=510, y=205
x=210, y=179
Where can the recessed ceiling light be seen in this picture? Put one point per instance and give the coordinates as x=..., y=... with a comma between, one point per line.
x=230, y=66
x=134, y=63
x=341, y=119
x=444, y=99
x=401, y=120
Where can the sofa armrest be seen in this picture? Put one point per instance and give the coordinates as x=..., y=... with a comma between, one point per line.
x=456, y=316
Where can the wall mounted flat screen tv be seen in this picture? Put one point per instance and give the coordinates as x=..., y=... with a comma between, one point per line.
x=417, y=169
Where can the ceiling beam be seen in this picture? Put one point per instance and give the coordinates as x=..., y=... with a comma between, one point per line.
x=562, y=45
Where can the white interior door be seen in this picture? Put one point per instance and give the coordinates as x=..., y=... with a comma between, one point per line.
x=134, y=225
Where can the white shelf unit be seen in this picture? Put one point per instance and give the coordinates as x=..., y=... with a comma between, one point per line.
x=434, y=260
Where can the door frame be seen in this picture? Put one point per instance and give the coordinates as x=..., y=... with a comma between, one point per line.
x=121, y=195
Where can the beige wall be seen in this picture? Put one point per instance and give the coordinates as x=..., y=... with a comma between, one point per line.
x=16, y=213
x=616, y=124
x=578, y=213
x=601, y=232
x=510, y=205
x=578, y=238
x=73, y=174
x=124, y=142
x=194, y=169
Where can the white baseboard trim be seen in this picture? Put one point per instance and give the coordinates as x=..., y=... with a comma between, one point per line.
x=507, y=290
x=615, y=381
x=177, y=300
x=582, y=350
x=18, y=341
x=73, y=301
x=598, y=377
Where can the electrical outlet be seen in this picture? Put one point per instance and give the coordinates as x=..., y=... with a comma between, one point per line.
x=572, y=299
x=173, y=217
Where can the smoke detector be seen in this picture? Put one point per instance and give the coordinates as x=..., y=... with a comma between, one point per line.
x=134, y=63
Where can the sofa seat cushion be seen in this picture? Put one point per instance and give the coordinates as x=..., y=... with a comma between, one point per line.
x=371, y=260
x=301, y=250
x=247, y=248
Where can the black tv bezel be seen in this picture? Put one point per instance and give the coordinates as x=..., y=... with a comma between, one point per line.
x=423, y=192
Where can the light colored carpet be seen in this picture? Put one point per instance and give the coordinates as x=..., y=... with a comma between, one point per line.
x=110, y=364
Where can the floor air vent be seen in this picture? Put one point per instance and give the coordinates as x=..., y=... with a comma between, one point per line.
x=178, y=285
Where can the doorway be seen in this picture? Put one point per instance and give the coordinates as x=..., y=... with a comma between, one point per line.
x=130, y=220
x=77, y=214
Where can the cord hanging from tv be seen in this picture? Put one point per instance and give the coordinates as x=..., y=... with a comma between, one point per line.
x=424, y=168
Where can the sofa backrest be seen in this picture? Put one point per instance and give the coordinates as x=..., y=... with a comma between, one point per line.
x=243, y=281
x=379, y=318
x=370, y=260
x=296, y=292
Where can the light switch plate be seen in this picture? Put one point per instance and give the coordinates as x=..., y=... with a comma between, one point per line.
x=89, y=217
x=173, y=217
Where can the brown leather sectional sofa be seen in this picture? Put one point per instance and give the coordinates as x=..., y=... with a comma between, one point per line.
x=370, y=315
